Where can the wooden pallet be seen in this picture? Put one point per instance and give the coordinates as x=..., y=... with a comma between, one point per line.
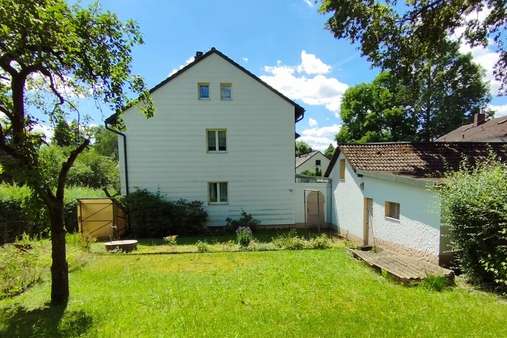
x=404, y=268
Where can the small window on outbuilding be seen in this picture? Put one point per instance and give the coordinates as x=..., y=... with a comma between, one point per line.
x=226, y=91
x=203, y=89
x=392, y=210
x=341, y=168
x=317, y=162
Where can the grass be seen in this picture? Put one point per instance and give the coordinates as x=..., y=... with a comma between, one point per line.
x=308, y=293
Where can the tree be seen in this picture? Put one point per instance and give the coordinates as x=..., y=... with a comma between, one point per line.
x=302, y=148
x=52, y=50
x=65, y=134
x=329, y=151
x=441, y=95
x=105, y=142
x=395, y=35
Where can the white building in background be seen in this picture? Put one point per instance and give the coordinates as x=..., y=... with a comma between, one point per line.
x=314, y=162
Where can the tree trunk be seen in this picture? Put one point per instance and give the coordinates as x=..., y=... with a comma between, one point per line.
x=59, y=267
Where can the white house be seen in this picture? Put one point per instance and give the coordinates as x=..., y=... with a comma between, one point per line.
x=383, y=193
x=215, y=128
x=314, y=162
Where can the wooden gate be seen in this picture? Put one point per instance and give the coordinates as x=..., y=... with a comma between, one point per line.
x=101, y=218
x=314, y=206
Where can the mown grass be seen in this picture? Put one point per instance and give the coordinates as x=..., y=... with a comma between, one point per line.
x=309, y=293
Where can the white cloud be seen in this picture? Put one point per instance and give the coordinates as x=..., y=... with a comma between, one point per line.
x=310, y=3
x=307, y=82
x=500, y=110
x=245, y=59
x=187, y=61
x=311, y=64
x=312, y=122
x=320, y=138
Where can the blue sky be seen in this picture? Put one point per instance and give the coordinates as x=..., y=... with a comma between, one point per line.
x=284, y=42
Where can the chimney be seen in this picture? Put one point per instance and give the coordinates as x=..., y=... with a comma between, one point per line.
x=198, y=54
x=479, y=118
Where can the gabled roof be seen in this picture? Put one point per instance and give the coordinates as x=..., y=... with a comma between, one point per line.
x=416, y=159
x=298, y=110
x=303, y=158
x=494, y=130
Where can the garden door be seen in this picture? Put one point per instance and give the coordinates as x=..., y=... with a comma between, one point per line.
x=314, y=208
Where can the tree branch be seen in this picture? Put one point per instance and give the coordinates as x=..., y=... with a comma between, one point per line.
x=62, y=177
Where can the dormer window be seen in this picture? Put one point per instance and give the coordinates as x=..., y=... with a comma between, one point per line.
x=203, y=89
x=226, y=91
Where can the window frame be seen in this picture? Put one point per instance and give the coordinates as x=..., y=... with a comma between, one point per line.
x=199, y=84
x=342, y=164
x=218, y=185
x=217, y=145
x=388, y=209
x=223, y=85
x=318, y=162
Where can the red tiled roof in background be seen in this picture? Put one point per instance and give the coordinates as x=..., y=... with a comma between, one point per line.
x=494, y=130
x=417, y=159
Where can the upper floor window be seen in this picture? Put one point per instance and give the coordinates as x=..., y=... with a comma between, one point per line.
x=341, y=173
x=203, y=91
x=226, y=91
x=217, y=140
x=392, y=210
x=317, y=162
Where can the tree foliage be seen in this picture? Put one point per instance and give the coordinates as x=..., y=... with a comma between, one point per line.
x=302, y=148
x=396, y=35
x=50, y=54
x=441, y=96
x=474, y=206
x=105, y=142
x=329, y=151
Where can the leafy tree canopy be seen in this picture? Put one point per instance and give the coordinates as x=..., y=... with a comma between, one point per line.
x=396, y=35
x=302, y=148
x=329, y=151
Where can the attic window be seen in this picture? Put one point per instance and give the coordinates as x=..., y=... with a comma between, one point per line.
x=203, y=91
x=317, y=162
x=226, y=91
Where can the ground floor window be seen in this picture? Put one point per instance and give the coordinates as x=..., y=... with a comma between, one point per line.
x=392, y=210
x=218, y=192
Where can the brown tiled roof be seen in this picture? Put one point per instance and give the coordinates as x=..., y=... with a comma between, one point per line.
x=494, y=130
x=417, y=159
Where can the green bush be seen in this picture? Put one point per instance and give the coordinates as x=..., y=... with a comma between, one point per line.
x=244, y=236
x=153, y=216
x=202, y=246
x=290, y=241
x=321, y=241
x=22, y=212
x=246, y=220
x=474, y=206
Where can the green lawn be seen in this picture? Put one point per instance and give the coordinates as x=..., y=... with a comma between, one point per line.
x=308, y=293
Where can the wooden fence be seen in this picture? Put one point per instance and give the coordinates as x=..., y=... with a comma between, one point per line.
x=101, y=218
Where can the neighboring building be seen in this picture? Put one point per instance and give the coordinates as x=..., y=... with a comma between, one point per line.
x=382, y=193
x=314, y=162
x=481, y=130
x=219, y=135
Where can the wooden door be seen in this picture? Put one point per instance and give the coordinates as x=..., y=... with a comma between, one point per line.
x=367, y=221
x=314, y=208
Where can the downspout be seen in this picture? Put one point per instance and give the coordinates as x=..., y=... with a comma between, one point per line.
x=125, y=162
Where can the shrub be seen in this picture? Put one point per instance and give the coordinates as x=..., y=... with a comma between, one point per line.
x=246, y=220
x=244, y=236
x=202, y=246
x=153, y=216
x=289, y=241
x=319, y=242
x=170, y=240
x=474, y=206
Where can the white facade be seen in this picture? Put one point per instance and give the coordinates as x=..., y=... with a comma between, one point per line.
x=168, y=153
x=317, y=160
x=418, y=229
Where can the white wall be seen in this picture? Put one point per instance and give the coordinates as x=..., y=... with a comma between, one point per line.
x=168, y=152
x=299, y=199
x=309, y=164
x=347, y=199
x=419, y=224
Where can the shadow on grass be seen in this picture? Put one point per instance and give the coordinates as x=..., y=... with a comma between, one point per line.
x=47, y=321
